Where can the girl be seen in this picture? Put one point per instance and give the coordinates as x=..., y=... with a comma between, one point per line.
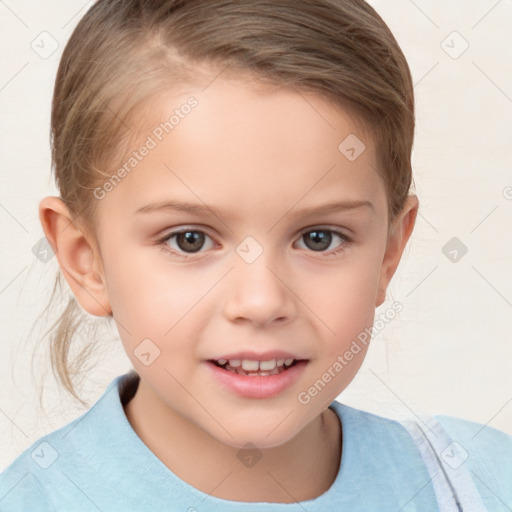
x=234, y=181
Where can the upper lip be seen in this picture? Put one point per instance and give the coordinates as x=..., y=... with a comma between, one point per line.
x=258, y=356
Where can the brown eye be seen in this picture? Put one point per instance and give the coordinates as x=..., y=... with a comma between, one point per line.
x=320, y=239
x=186, y=241
x=190, y=240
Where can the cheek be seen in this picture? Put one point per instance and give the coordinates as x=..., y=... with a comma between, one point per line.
x=145, y=290
x=345, y=298
x=135, y=295
x=154, y=301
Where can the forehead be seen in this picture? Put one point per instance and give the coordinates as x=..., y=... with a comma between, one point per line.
x=242, y=143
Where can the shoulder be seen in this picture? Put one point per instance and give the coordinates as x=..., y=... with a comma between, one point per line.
x=20, y=485
x=44, y=475
x=486, y=452
x=464, y=450
x=30, y=481
x=477, y=435
x=482, y=440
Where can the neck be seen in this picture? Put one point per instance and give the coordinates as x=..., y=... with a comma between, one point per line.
x=300, y=469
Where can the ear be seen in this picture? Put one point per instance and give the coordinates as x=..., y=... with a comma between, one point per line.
x=399, y=234
x=78, y=256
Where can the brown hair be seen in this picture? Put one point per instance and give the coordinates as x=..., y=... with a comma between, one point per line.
x=123, y=52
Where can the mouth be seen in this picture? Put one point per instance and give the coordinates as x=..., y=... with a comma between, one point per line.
x=251, y=367
x=257, y=378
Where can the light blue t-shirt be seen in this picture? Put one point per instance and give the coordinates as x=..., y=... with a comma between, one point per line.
x=98, y=463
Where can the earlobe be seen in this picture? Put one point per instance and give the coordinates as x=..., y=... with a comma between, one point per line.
x=77, y=254
x=401, y=231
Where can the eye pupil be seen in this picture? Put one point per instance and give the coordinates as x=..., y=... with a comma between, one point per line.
x=195, y=238
x=192, y=241
x=319, y=236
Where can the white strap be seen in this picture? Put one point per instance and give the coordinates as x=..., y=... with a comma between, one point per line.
x=454, y=488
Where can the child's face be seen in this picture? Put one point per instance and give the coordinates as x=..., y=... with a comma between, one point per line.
x=255, y=284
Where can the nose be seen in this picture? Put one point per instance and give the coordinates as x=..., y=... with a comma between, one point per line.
x=259, y=293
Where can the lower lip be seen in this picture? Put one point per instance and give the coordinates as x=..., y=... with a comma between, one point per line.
x=258, y=386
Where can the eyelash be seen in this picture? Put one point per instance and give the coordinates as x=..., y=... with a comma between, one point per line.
x=347, y=241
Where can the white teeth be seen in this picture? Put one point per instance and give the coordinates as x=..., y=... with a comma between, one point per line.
x=268, y=365
x=249, y=365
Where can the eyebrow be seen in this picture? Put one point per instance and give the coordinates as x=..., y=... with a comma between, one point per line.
x=333, y=206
